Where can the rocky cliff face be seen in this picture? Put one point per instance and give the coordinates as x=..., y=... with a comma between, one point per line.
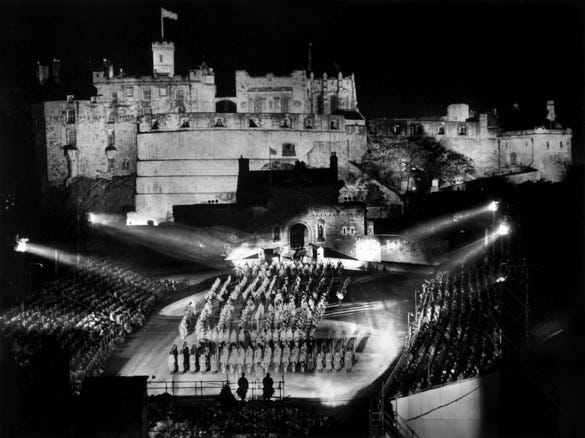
x=115, y=196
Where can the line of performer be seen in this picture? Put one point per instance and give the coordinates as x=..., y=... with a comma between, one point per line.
x=280, y=357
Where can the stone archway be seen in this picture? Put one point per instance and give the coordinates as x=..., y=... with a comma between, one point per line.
x=298, y=235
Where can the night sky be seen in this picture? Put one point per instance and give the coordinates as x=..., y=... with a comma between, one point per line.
x=409, y=57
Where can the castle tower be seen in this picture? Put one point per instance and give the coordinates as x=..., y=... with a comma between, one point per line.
x=163, y=58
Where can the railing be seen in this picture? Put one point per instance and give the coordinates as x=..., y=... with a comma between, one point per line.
x=210, y=388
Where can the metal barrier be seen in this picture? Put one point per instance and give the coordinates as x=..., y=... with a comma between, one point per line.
x=210, y=388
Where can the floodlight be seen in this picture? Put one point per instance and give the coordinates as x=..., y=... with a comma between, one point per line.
x=503, y=229
x=91, y=218
x=493, y=206
x=500, y=279
x=21, y=244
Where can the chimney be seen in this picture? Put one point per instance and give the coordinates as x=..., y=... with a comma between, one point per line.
x=56, y=71
x=42, y=73
x=550, y=111
x=333, y=166
x=243, y=165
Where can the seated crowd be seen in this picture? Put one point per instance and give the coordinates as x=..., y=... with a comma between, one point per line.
x=455, y=335
x=87, y=312
x=243, y=420
x=266, y=317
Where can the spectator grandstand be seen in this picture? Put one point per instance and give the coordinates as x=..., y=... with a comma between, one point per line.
x=88, y=312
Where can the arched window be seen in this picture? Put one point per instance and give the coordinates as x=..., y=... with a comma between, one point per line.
x=276, y=233
x=112, y=118
x=513, y=159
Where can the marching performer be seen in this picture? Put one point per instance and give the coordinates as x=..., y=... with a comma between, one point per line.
x=277, y=357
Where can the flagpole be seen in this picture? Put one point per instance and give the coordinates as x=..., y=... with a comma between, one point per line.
x=162, y=28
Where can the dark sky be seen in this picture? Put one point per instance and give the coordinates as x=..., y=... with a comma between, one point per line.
x=409, y=57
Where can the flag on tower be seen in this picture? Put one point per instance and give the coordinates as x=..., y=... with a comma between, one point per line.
x=271, y=151
x=168, y=14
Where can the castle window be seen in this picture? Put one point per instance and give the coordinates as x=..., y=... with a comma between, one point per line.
x=129, y=91
x=276, y=233
x=111, y=138
x=147, y=111
x=285, y=123
x=547, y=145
x=463, y=130
x=351, y=231
x=284, y=107
x=320, y=230
x=114, y=95
x=441, y=130
x=125, y=164
x=154, y=126
x=309, y=123
x=396, y=129
x=219, y=123
x=513, y=159
x=70, y=113
x=111, y=164
x=146, y=95
x=185, y=123
x=333, y=103
x=160, y=58
x=112, y=118
x=288, y=150
x=70, y=137
x=343, y=231
x=180, y=109
x=334, y=124
x=162, y=91
x=179, y=94
x=561, y=144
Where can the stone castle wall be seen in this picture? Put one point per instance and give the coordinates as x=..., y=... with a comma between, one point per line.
x=341, y=224
x=271, y=94
x=89, y=133
x=546, y=150
x=203, y=161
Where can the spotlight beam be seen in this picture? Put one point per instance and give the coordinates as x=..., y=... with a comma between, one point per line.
x=445, y=222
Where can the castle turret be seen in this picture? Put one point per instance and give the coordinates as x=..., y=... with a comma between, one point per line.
x=163, y=58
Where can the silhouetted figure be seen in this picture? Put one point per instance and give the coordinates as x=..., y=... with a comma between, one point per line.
x=226, y=398
x=242, y=387
x=175, y=353
x=185, y=357
x=267, y=390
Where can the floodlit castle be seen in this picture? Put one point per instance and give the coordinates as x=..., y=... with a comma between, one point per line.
x=541, y=152
x=183, y=143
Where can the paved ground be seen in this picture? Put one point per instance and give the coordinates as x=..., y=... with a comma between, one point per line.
x=375, y=312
